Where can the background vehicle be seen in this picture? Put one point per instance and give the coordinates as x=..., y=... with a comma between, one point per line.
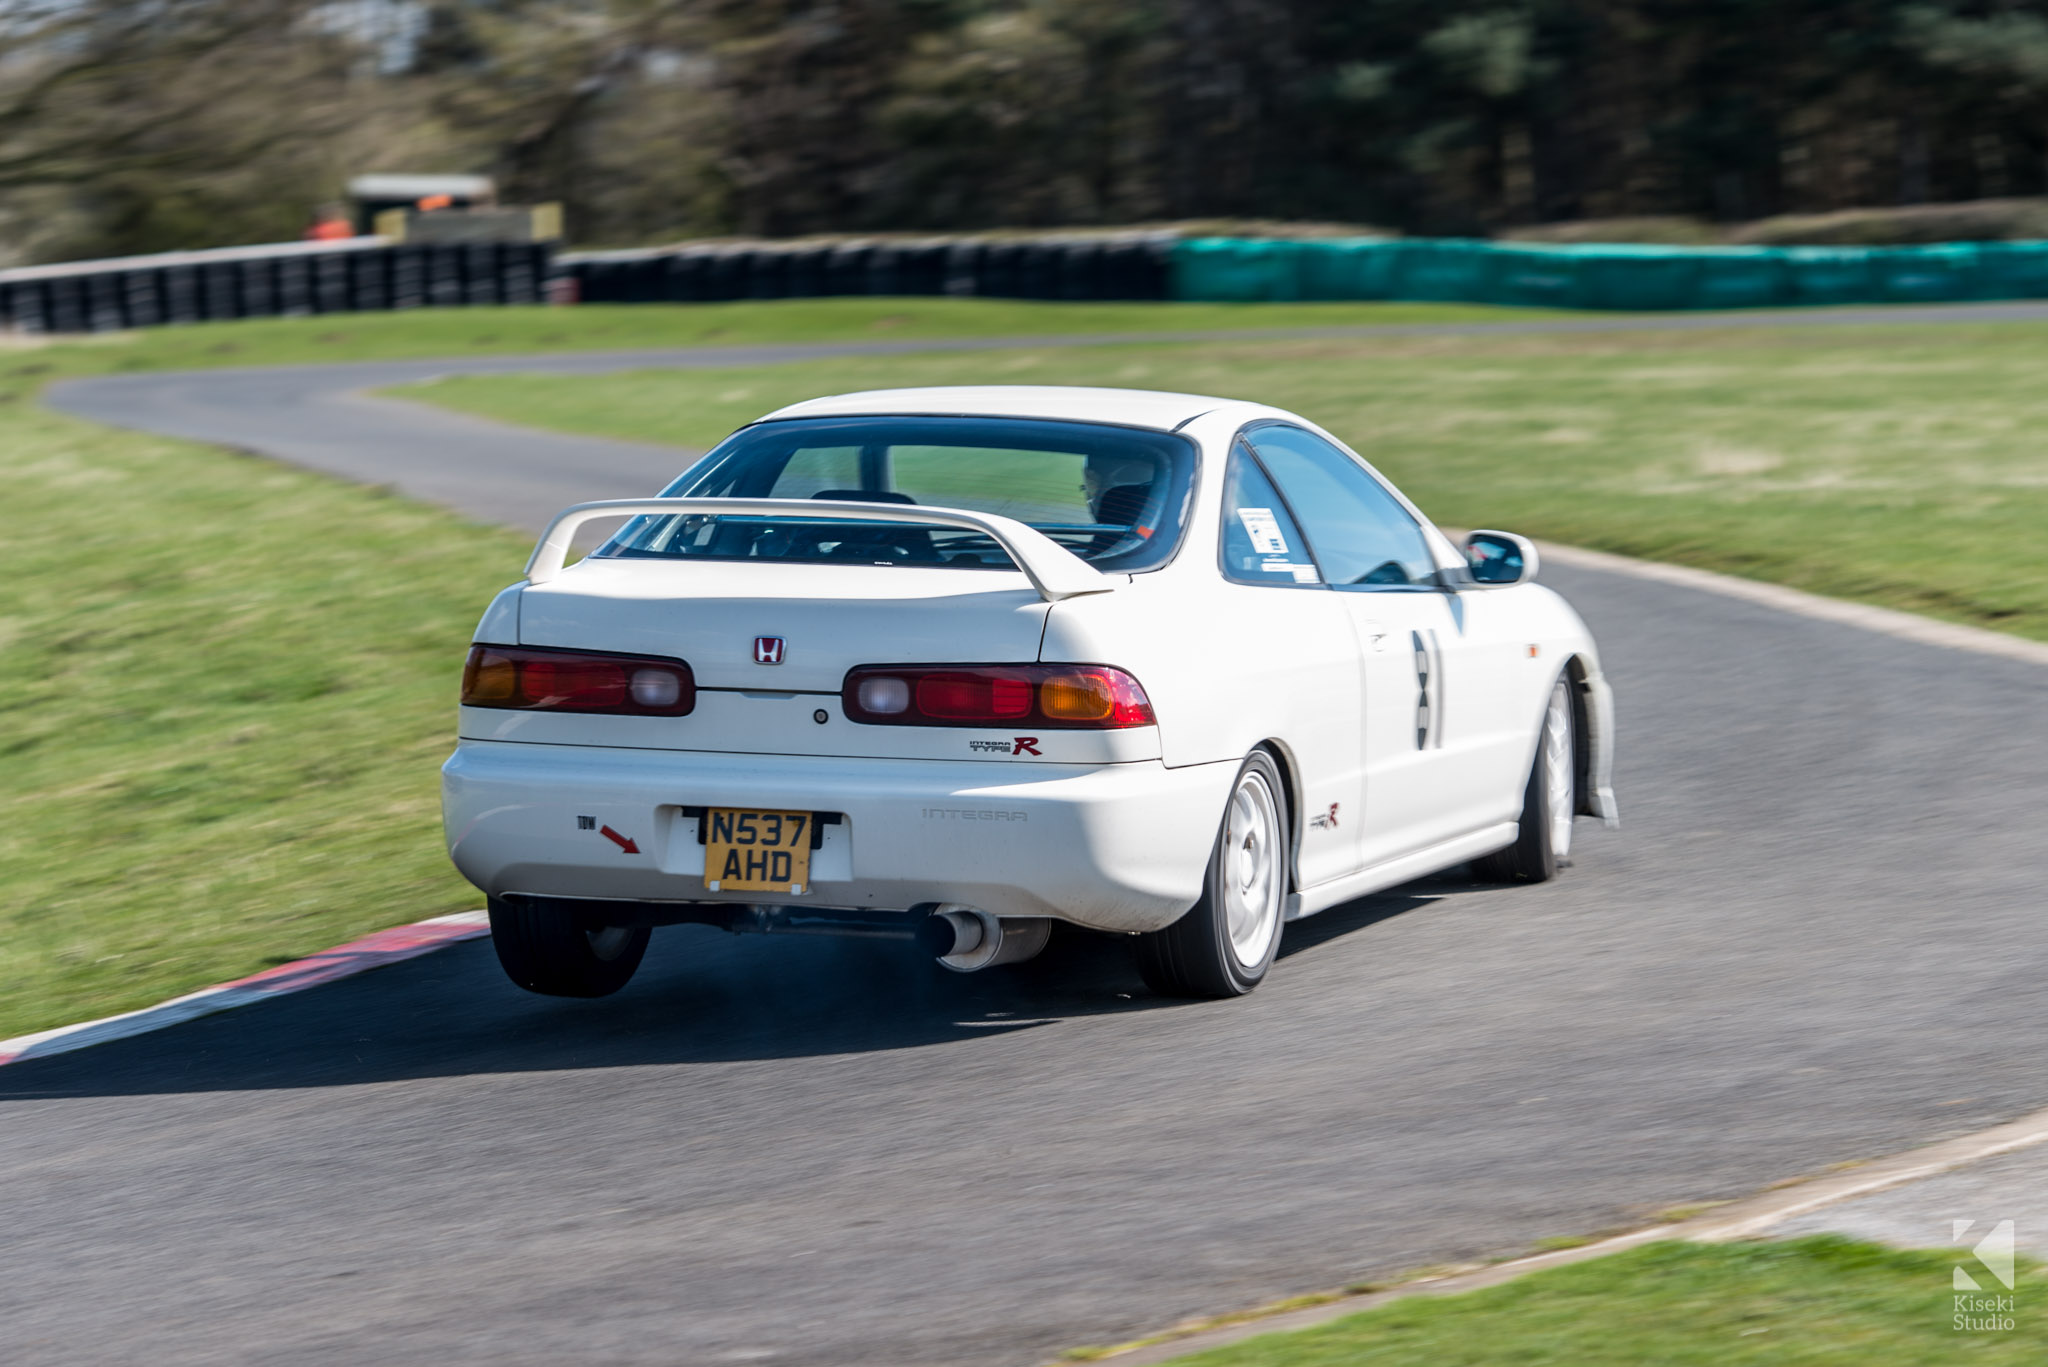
x=957, y=663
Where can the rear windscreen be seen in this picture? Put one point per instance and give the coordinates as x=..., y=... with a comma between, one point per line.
x=1115, y=496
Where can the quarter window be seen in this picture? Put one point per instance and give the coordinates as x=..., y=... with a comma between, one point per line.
x=1363, y=538
x=1261, y=543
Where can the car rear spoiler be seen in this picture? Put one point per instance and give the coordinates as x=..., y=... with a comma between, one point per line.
x=1053, y=570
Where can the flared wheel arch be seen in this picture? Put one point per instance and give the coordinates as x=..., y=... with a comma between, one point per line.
x=1575, y=673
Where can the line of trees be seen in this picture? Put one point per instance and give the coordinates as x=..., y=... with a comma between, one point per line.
x=142, y=124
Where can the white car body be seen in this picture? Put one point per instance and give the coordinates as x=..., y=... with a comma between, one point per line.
x=1403, y=724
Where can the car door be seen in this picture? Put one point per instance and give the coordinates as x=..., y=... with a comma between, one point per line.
x=1298, y=660
x=1420, y=784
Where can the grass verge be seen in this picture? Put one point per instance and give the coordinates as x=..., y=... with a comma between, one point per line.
x=1817, y=1301
x=227, y=687
x=1897, y=465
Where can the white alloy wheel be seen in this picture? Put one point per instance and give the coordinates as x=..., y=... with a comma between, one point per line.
x=1225, y=943
x=1560, y=770
x=1253, y=870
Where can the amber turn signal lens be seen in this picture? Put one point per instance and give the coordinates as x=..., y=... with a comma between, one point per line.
x=1077, y=697
x=489, y=678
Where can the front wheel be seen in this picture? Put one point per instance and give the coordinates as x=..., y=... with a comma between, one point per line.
x=1548, y=803
x=1225, y=944
x=547, y=950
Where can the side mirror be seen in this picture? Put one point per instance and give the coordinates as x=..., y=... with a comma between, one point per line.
x=1499, y=558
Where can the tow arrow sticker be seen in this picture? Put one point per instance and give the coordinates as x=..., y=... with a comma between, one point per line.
x=625, y=846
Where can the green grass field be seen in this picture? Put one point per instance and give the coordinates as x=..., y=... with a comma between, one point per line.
x=1816, y=1302
x=226, y=686
x=1902, y=465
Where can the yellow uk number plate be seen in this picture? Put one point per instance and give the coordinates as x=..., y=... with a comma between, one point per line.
x=756, y=851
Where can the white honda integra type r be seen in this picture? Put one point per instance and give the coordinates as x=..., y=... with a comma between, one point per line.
x=955, y=664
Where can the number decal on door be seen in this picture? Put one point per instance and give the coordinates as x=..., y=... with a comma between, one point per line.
x=1429, y=693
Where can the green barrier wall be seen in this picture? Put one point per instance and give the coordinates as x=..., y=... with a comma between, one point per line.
x=1604, y=276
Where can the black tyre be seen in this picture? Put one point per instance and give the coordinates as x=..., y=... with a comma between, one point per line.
x=1548, y=802
x=1226, y=942
x=548, y=950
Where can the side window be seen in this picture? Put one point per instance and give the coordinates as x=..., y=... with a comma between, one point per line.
x=1261, y=544
x=1362, y=537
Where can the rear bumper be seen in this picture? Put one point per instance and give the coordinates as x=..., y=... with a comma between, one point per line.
x=1118, y=847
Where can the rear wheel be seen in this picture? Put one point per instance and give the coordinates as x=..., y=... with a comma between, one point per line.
x=1548, y=803
x=1225, y=944
x=548, y=950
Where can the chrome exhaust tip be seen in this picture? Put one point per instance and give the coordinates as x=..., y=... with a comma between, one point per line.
x=968, y=939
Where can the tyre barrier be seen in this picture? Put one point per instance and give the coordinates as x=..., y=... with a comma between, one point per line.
x=367, y=274
x=1123, y=267
x=282, y=280
x=1604, y=276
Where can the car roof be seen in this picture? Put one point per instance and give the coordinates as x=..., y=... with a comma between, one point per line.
x=1072, y=403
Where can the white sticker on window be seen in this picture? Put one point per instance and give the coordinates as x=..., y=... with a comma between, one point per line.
x=1300, y=574
x=1264, y=530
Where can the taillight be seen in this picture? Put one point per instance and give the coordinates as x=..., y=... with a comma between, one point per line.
x=530, y=680
x=1069, y=697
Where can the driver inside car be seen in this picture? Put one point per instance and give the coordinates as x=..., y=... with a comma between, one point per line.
x=1118, y=488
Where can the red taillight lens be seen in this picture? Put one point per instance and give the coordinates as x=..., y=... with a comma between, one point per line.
x=1058, y=697
x=973, y=695
x=530, y=680
x=566, y=681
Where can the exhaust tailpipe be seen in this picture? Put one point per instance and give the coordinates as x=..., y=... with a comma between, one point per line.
x=966, y=939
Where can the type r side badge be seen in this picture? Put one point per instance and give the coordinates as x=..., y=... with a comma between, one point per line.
x=768, y=650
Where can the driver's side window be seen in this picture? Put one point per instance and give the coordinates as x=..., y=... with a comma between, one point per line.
x=1362, y=536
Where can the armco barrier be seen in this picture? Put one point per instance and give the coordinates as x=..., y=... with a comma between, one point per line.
x=1125, y=266
x=1604, y=276
x=282, y=279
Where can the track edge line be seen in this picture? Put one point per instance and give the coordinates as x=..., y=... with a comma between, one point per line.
x=1908, y=626
x=375, y=950
x=1744, y=1219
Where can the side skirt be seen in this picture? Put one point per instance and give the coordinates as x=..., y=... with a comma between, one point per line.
x=1395, y=872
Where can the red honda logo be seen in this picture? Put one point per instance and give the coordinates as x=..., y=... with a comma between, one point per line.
x=767, y=650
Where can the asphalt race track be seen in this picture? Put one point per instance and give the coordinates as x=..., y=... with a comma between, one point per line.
x=1818, y=937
